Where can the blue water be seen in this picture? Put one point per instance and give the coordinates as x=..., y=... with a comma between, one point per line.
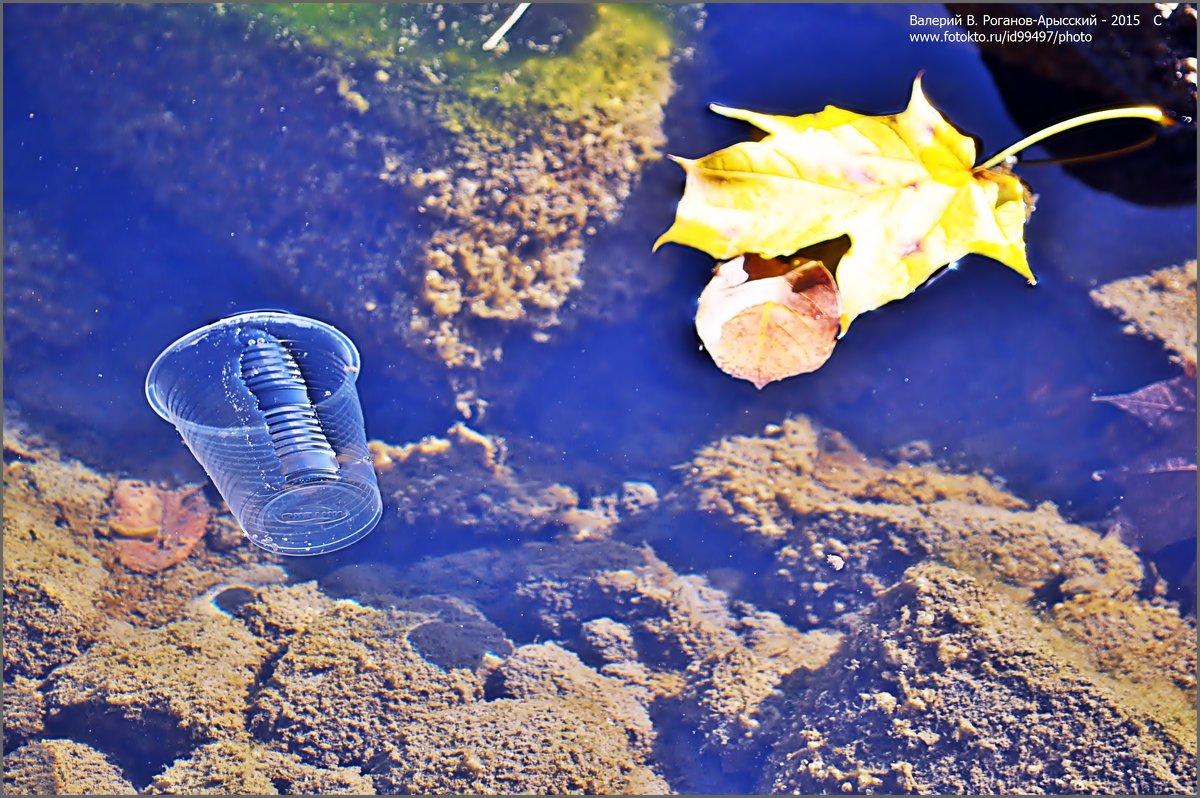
x=992, y=373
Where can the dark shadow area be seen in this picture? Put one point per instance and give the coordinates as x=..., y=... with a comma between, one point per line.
x=141, y=748
x=1121, y=63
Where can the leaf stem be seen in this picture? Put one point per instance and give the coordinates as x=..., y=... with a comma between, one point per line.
x=1135, y=112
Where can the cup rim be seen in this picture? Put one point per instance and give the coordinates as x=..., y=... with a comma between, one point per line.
x=193, y=337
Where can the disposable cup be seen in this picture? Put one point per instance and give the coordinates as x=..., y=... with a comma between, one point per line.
x=267, y=403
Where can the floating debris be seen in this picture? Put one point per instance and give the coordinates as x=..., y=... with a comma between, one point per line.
x=495, y=38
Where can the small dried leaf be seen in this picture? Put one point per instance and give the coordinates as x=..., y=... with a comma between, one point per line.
x=157, y=527
x=1163, y=406
x=138, y=508
x=767, y=319
x=1158, y=498
x=1157, y=512
x=1170, y=465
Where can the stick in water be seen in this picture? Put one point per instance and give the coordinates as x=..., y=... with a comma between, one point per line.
x=491, y=43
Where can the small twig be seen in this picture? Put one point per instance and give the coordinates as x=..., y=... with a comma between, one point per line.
x=491, y=43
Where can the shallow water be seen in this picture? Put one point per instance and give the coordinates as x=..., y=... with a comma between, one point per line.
x=994, y=374
x=982, y=366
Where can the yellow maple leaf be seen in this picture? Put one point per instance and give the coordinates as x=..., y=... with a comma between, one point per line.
x=903, y=187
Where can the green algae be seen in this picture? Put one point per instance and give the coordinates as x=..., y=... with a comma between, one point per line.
x=524, y=151
x=622, y=54
x=601, y=74
x=351, y=30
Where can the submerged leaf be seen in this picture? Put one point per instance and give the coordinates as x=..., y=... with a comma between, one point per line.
x=903, y=187
x=157, y=527
x=1157, y=510
x=1158, y=500
x=1164, y=405
x=763, y=320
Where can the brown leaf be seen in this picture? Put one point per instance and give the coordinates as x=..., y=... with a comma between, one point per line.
x=157, y=527
x=1157, y=511
x=1171, y=465
x=767, y=319
x=1163, y=406
x=138, y=510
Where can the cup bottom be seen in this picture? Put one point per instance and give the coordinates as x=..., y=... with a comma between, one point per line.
x=315, y=518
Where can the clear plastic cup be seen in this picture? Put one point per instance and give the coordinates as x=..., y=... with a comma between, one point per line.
x=266, y=402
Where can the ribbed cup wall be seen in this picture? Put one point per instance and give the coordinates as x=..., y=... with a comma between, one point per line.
x=272, y=376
